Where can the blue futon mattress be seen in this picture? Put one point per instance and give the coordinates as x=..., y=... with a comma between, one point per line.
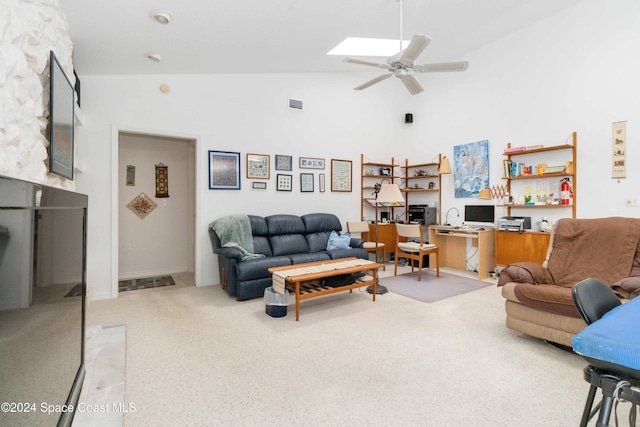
x=615, y=338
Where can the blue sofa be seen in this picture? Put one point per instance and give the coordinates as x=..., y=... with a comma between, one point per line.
x=284, y=240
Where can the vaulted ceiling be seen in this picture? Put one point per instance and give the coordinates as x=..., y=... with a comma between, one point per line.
x=232, y=36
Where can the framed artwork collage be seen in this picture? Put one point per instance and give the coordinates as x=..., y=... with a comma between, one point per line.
x=225, y=172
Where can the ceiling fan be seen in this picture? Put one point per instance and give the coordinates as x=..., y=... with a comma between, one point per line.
x=402, y=63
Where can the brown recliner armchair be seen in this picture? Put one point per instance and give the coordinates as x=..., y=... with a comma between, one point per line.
x=538, y=297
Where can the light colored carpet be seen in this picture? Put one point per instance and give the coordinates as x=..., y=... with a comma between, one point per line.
x=431, y=288
x=197, y=357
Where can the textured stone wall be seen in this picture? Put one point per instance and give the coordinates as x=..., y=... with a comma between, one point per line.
x=29, y=29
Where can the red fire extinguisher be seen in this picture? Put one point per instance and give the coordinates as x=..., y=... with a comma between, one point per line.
x=565, y=192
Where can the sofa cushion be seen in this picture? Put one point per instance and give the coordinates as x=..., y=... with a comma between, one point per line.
x=549, y=298
x=286, y=244
x=257, y=268
x=284, y=224
x=348, y=253
x=261, y=245
x=318, y=241
x=321, y=222
x=258, y=226
x=310, y=257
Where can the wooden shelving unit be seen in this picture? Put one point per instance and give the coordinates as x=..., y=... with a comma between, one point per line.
x=370, y=174
x=421, y=178
x=572, y=175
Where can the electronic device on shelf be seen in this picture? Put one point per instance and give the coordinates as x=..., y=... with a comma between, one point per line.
x=514, y=223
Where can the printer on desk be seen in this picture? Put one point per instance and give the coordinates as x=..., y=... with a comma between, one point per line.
x=514, y=223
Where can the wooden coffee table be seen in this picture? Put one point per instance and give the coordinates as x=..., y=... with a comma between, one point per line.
x=305, y=279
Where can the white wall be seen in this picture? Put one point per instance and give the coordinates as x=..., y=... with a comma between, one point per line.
x=576, y=71
x=159, y=243
x=572, y=72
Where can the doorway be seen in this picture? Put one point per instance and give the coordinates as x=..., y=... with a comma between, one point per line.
x=158, y=239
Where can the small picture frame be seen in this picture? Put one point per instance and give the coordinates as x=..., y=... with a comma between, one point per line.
x=284, y=182
x=259, y=185
x=306, y=183
x=258, y=166
x=284, y=163
x=341, y=175
x=224, y=170
x=321, y=182
x=311, y=163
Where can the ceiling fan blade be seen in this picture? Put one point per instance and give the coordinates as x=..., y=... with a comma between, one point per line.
x=411, y=83
x=445, y=66
x=373, y=81
x=363, y=62
x=418, y=43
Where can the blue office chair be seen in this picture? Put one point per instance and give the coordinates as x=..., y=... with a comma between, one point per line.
x=594, y=299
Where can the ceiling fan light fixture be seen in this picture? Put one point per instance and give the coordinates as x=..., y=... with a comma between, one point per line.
x=161, y=16
x=153, y=56
x=361, y=46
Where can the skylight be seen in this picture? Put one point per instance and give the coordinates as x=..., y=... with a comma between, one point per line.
x=359, y=46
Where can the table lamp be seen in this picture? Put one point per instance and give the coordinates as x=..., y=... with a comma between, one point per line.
x=485, y=193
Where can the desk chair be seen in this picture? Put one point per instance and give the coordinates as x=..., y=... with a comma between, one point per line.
x=414, y=251
x=362, y=227
x=593, y=300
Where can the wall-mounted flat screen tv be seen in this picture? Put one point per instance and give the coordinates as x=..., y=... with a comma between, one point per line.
x=479, y=213
x=61, y=120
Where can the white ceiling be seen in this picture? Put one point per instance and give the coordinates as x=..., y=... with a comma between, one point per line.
x=264, y=36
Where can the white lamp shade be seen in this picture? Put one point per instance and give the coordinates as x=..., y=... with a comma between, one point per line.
x=390, y=193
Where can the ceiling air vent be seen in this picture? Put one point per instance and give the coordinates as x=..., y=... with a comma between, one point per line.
x=295, y=104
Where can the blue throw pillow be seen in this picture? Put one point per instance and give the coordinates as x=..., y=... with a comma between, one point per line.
x=338, y=242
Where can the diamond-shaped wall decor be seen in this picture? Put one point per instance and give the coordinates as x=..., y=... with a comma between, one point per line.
x=142, y=205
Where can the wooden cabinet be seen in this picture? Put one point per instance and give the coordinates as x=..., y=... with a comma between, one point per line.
x=421, y=178
x=512, y=246
x=521, y=172
x=386, y=234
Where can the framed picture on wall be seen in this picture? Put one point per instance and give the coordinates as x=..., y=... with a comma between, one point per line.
x=258, y=166
x=306, y=182
x=224, y=170
x=341, y=173
x=321, y=182
x=284, y=163
x=259, y=185
x=284, y=182
x=311, y=163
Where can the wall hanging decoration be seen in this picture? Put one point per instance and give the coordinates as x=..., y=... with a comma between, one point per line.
x=306, y=182
x=284, y=163
x=619, y=140
x=259, y=185
x=311, y=163
x=341, y=174
x=321, y=182
x=471, y=168
x=131, y=175
x=258, y=166
x=224, y=170
x=142, y=205
x=284, y=182
x=162, y=180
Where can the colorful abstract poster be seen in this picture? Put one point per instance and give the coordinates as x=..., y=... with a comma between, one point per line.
x=471, y=168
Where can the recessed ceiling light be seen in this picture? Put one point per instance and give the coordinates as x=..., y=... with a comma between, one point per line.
x=161, y=16
x=155, y=57
x=359, y=46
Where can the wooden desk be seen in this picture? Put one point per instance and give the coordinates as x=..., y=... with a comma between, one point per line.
x=512, y=246
x=453, y=248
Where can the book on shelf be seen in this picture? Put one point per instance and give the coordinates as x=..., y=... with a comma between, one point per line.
x=534, y=147
x=514, y=149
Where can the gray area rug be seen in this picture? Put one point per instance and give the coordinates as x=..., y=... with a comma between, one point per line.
x=431, y=288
